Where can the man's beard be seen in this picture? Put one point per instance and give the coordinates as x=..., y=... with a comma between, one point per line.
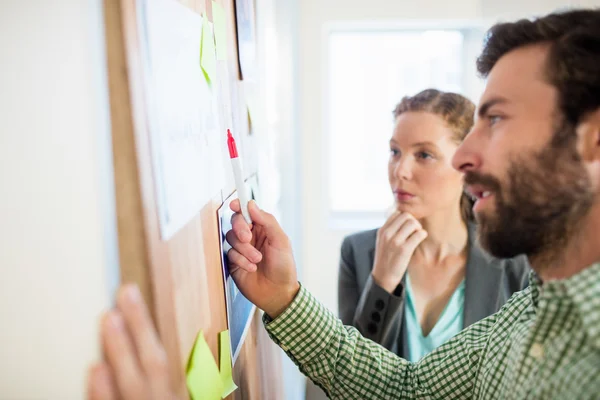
x=545, y=197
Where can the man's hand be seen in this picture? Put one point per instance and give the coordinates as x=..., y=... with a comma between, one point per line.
x=136, y=363
x=261, y=260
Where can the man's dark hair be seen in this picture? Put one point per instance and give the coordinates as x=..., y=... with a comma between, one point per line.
x=573, y=64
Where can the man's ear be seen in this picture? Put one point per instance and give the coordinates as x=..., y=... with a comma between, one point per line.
x=588, y=136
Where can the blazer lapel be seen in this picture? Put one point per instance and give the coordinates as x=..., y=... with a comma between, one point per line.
x=482, y=282
x=371, y=250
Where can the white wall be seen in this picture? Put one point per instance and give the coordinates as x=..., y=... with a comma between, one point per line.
x=321, y=243
x=58, y=252
x=279, y=169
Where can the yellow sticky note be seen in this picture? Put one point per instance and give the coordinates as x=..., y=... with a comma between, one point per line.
x=225, y=364
x=251, y=106
x=208, y=60
x=220, y=26
x=202, y=375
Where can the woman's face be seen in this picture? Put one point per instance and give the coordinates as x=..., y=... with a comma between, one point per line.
x=420, y=171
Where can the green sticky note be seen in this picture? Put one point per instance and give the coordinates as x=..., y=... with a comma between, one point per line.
x=220, y=26
x=225, y=364
x=208, y=60
x=202, y=375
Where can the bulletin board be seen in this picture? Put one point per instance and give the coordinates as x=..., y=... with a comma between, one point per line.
x=175, y=256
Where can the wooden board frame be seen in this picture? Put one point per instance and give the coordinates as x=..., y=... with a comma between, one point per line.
x=180, y=278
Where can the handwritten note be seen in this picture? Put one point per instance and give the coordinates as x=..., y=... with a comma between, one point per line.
x=185, y=129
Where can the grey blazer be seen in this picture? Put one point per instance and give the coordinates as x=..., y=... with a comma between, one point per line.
x=379, y=315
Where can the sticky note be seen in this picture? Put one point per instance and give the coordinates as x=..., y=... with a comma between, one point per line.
x=225, y=364
x=202, y=375
x=250, y=131
x=220, y=26
x=250, y=105
x=208, y=60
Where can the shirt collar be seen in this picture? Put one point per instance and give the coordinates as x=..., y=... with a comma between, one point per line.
x=584, y=291
x=535, y=283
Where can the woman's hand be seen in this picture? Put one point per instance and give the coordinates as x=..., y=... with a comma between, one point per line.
x=397, y=240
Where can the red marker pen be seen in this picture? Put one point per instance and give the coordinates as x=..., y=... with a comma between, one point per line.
x=238, y=175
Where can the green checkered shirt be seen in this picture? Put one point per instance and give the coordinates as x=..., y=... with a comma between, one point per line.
x=543, y=344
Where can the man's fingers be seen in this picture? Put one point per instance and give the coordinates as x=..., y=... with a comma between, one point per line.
x=241, y=228
x=246, y=249
x=259, y=216
x=233, y=268
x=235, y=258
x=235, y=206
x=151, y=354
x=268, y=224
x=101, y=385
x=120, y=353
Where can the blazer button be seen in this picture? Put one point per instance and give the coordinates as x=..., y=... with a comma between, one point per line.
x=372, y=328
x=379, y=304
x=376, y=316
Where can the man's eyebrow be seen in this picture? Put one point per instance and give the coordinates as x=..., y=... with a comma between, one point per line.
x=491, y=102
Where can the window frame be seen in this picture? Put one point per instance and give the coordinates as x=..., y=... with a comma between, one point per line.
x=472, y=30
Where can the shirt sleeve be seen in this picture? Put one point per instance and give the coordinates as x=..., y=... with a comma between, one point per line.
x=348, y=366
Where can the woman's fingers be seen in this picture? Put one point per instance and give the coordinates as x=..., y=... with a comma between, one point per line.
x=408, y=228
x=389, y=221
x=395, y=224
x=414, y=240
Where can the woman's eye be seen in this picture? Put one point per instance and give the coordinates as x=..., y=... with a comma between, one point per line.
x=424, y=155
x=394, y=152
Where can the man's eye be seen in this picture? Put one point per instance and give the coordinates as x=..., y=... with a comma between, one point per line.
x=494, y=119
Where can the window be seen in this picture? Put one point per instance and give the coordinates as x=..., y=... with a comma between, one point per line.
x=368, y=73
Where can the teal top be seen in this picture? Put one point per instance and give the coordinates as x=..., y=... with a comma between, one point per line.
x=449, y=323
